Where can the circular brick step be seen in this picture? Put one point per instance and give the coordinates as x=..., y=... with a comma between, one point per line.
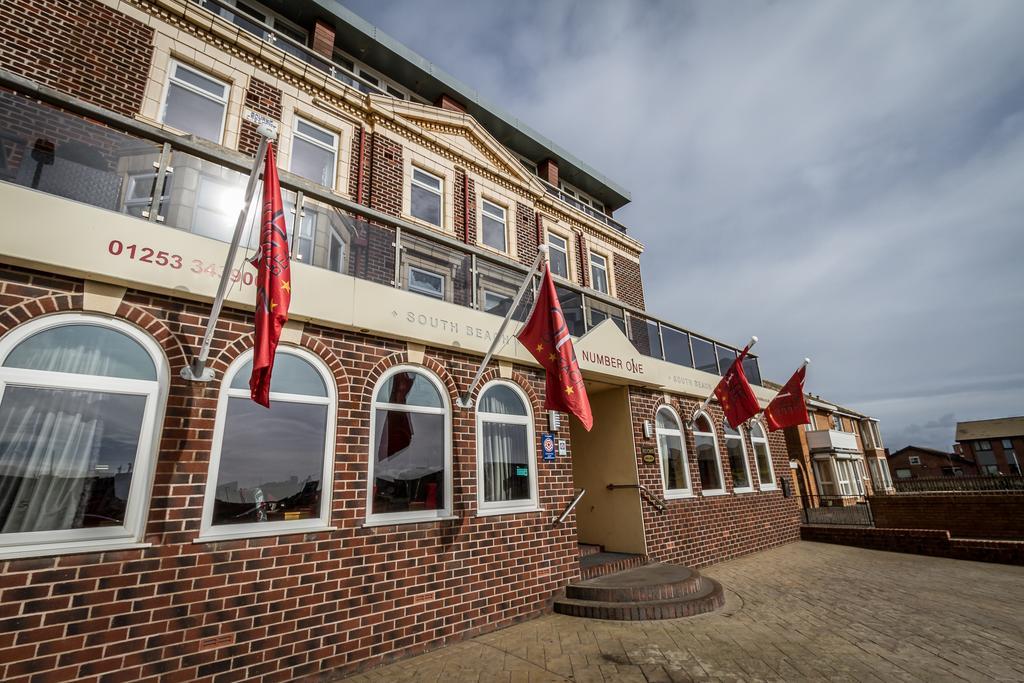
x=655, y=581
x=709, y=598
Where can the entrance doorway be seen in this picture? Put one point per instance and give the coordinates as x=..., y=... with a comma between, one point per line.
x=607, y=455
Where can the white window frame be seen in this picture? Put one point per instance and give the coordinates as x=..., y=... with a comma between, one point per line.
x=94, y=539
x=487, y=292
x=876, y=434
x=484, y=203
x=389, y=518
x=914, y=459
x=773, y=484
x=658, y=431
x=563, y=249
x=605, y=268
x=837, y=423
x=431, y=295
x=825, y=466
x=172, y=70
x=746, y=458
x=844, y=476
x=209, y=532
x=333, y=149
x=423, y=186
x=505, y=507
x=810, y=426
x=718, y=454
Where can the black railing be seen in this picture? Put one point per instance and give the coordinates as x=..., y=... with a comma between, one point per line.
x=837, y=511
x=1011, y=482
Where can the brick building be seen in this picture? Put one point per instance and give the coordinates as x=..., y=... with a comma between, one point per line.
x=916, y=462
x=837, y=458
x=994, y=445
x=155, y=527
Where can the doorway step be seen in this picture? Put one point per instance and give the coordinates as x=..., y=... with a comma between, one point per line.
x=594, y=561
x=651, y=591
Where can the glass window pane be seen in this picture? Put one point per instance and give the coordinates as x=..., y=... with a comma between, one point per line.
x=756, y=431
x=205, y=83
x=410, y=388
x=677, y=346
x=422, y=282
x=271, y=463
x=217, y=206
x=426, y=205
x=292, y=375
x=506, y=466
x=313, y=162
x=707, y=463
x=498, y=304
x=702, y=425
x=84, y=350
x=559, y=263
x=426, y=179
x=752, y=370
x=193, y=113
x=66, y=457
x=673, y=465
x=599, y=277
x=704, y=355
x=666, y=420
x=572, y=309
x=725, y=358
x=503, y=400
x=737, y=463
x=408, y=471
x=729, y=429
x=322, y=136
x=494, y=233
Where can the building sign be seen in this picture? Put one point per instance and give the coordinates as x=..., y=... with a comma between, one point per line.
x=547, y=446
x=257, y=119
x=632, y=365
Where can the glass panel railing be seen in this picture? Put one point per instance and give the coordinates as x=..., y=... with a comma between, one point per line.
x=677, y=346
x=643, y=333
x=704, y=355
x=497, y=287
x=580, y=206
x=436, y=270
x=598, y=311
x=726, y=357
x=572, y=308
x=752, y=370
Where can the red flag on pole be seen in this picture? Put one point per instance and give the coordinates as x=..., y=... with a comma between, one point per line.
x=734, y=393
x=788, y=408
x=546, y=336
x=273, y=283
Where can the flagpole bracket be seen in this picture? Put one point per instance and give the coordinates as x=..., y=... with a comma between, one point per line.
x=464, y=402
x=197, y=372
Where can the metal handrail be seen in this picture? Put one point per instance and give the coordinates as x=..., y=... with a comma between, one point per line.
x=568, y=508
x=645, y=493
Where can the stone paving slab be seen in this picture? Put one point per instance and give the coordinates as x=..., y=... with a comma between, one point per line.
x=805, y=611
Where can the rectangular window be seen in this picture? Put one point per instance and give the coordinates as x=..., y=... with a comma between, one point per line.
x=1012, y=462
x=704, y=355
x=858, y=476
x=138, y=195
x=903, y=474
x=823, y=473
x=495, y=303
x=493, y=230
x=876, y=434
x=425, y=196
x=336, y=252
x=845, y=475
x=216, y=210
x=837, y=423
x=1007, y=444
x=599, y=272
x=558, y=255
x=982, y=446
x=314, y=153
x=915, y=460
x=195, y=102
x=987, y=462
x=426, y=283
x=707, y=464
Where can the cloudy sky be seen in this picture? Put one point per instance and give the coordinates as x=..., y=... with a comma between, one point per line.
x=843, y=179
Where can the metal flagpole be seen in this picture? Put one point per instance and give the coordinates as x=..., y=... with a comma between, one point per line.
x=466, y=400
x=704, y=405
x=197, y=370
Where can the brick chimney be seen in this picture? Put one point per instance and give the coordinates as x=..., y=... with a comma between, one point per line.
x=323, y=39
x=548, y=170
x=444, y=101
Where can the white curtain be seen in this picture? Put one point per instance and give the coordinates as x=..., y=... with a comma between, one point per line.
x=503, y=452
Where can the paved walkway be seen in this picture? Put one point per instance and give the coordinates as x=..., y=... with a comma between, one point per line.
x=806, y=611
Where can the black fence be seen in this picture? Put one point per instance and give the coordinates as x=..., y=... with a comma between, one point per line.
x=997, y=482
x=837, y=511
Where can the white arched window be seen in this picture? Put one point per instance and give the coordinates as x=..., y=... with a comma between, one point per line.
x=271, y=470
x=709, y=464
x=736, y=450
x=81, y=401
x=763, y=457
x=675, y=470
x=506, y=460
x=410, y=477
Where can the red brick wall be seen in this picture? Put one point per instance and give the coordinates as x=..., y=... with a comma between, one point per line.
x=465, y=230
x=629, y=286
x=997, y=514
x=385, y=171
x=526, y=233
x=262, y=98
x=702, y=530
x=83, y=48
x=284, y=606
x=918, y=541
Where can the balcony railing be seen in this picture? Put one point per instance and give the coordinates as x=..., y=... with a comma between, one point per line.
x=585, y=208
x=65, y=147
x=831, y=440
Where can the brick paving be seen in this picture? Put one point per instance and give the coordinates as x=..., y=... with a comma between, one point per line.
x=804, y=611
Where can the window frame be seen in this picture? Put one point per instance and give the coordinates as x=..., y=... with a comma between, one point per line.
x=484, y=201
x=172, y=69
x=772, y=485
x=749, y=488
x=417, y=517
x=718, y=454
x=208, y=532
x=531, y=504
x=94, y=539
x=672, y=494
x=335, y=150
x=439, y=192
x=564, y=250
x=444, y=283
x=607, y=272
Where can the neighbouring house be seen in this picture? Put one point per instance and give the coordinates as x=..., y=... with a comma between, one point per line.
x=917, y=462
x=995, y=445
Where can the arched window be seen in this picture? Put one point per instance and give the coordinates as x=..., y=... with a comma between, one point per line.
x=736, y=450
x=411, y=454
x=506, y=460
x=675, y=470
x=763, y=457
x=81, y=400
x=708, y=463
x=271, y=470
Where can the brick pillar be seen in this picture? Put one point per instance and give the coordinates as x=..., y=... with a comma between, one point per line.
x=444, y=101
x=584, y=274
x=548, y=171
x=323, y=39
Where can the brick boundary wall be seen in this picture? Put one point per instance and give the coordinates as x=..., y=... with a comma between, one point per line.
x=287, y=606
x=920, y=542
x=988, y=515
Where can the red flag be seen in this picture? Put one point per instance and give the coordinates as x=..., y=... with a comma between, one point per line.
x=788, y=408
x=546, y=336
x=273, y=283
x=734, y=393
